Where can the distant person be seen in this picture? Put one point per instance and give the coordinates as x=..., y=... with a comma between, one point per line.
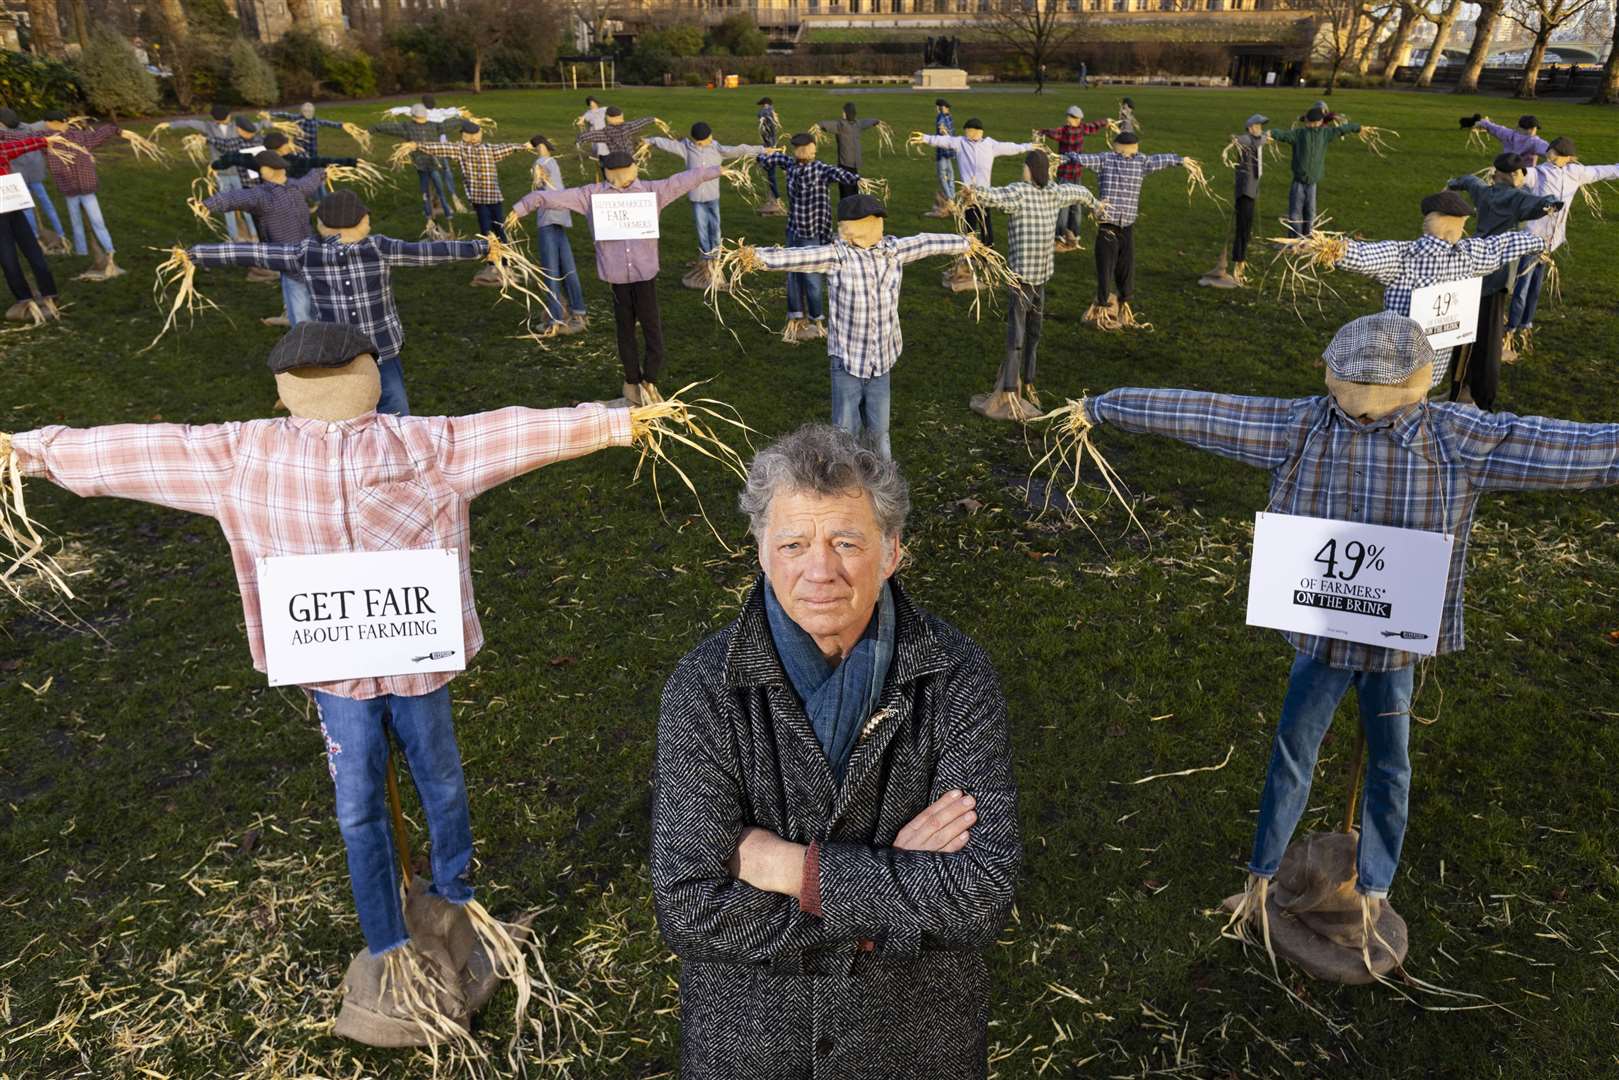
x=1040, y=79
x=1084, y=75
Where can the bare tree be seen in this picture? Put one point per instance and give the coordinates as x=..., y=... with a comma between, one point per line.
x=1335, y=40
x=594, y=14
x=481, y=25
x=1541, y=18
x=1399, y=46
x=1377, y=18
x=1033, y=29
x=1608, y=87
x=1443, y=24
x=1489, y=17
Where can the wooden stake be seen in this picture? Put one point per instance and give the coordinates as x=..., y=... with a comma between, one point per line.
x=401, y=840
x=1356, y=775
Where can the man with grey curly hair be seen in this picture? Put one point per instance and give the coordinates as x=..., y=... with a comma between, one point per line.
x=834, y=826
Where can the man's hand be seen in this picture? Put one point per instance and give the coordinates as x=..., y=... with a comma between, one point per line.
x=767, y=862
x=941, y=827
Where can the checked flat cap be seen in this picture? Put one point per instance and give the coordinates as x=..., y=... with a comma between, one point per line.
x=1382, y=349
x=318, y=344
x=342, y=209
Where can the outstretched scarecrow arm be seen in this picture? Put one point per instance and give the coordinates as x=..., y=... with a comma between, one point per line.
x=1338, y=131
x=1159, y=162
x=668, y=146
x=574, y=198
x=775, y=159
x=1078, y=193
x=673, y=187
x=1489, y=253
x=1583, y=174
x=1503, y=452
x=816, y=259
x=991, y=198
x=238, y=199
x=16, y=148
x=1381, y=260
x=1258, y=431
x=478, y=452
x=430, y=252
x=1090, y=161
x=1470, y=184
x=181, y=466
x=909, y=249
x=265, y=256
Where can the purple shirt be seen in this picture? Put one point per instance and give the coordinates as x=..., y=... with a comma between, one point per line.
x=1517, y=141
x=619, y=262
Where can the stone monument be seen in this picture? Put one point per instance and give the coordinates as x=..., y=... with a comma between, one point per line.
x=941, y=70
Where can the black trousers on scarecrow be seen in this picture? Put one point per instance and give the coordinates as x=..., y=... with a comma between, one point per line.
x=978, y=220
x=16, y=236
x=637, y=301
x=1244, y=221
x=1478, y=366
x=1115, y=262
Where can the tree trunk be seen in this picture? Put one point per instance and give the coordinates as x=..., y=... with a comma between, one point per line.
x=1344, y=47
x=44, y=31
x=1531, y=71
x=1483, y=36
x=81, y=23
x=1400, y=44
x=1608, y=85
x=1441, y=37
x=1363, y=62
x=477, y=69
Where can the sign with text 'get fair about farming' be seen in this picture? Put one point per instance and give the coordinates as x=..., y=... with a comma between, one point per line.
x=1448, y=311
x=1372, y=584
x=14, y=194
x=632, y=215
x=360, y=615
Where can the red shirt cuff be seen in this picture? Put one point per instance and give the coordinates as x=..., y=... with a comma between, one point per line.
x=809, y=892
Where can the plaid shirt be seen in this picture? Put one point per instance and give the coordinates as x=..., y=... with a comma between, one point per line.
x=1403, y=266
x=74, y=172
x=12, y=149
x=619, y=262
x=428, y=131
x=809, y=211
x=1562, y=184
x=614, y=137
x=862, y=285
x=1070, y=139
x=944, y=124
x=309, y=129
x=349, y=283
x=282, y=210
x=479, y=163
x=1119, y=180
x=1031, y=225
x=293, y=486
x=1421, y=468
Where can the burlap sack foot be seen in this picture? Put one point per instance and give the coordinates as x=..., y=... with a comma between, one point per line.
x=53, y=243
x=959, y=276
x=26, y=311
x=791, y=333
x=262, y=276
x=1003, y=405
x=409, y=996
x=771, y=208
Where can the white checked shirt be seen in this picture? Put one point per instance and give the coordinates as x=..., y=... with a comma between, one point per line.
x=1031, y=225
x=1563, y=183
x=292, y=486
x=1119, y=181
x=862, y=285
x=976, y=157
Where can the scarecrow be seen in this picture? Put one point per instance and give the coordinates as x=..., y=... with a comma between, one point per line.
x=556, y=254
x=1119, y=175
x=479, y=166
x=1247, y=155
x=1373, y=450
x=281, y=206
x=1309, y=145
x=864, y=270
x=629, y=266
x=17, y=235
x=73, y=169
x=277, y=142
x=976, y=155
x=309, y=126
x=769, y=134
x=1562, y=175
x=1524, y=140
x=349, y=274
x=944, y=162
x=698, y=151
x=809, y=224
x=337, y=476
x=616, y=135
x=594, y=118
x=1070, y=139
x=433, y=175
x=1033, y=207
x=31, y=166
x=847, y=131
x=223, y=135
x=1503, y=204
x=1439, y=255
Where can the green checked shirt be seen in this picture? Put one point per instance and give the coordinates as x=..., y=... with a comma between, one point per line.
x=1031, y=226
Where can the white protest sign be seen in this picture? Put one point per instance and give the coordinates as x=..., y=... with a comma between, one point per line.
x=631, y=215
x=1371, y=584
x=1448, y=312
x=360, y=614
x=14, y=193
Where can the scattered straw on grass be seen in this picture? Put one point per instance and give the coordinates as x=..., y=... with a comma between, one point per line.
x=361, y=136
x=179, y=273
x=885, y=138
x=1188, y=772
x=1067, y=444
x=362, y=174
x=694, y=423
x=1376, y=139
x=24, y=546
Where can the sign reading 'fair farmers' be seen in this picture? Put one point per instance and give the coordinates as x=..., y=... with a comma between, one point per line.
x=360, y=614
x=1372, y=584
x=632, y=215
x=14, y=193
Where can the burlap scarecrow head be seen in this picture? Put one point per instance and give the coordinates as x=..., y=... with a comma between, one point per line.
x=55, y=120
x=344, y=216
x=860, y=220
x=1379, y=364
x=326, y=371
x=470, y=132
x=1510, y=170
x=1127, y=144
x=803, y=146
x=1445, y=214
x=973, y=129
x=272, y=167
x=615, y=115
x=620, y=168
x=307, y=110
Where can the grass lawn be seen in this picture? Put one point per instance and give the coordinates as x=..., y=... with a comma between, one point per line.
x=177, y=903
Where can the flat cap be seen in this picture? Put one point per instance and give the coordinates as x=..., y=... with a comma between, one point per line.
x=701, y=130
x=1315, y=114
x=9, y=117
x=1076, y=112
x=855, y=207
x=618, y=159
x=973, y=122
x=1382, y=349
x=941, y=103
x=541, y=140
x=342, y=209
x=1126, y=138
x=270, y=160
x=245, y=123
x=319, y=344
x=803, y=138
x=54, y=115
x=1448, y=203
x=274, y=140
x=469, y=128
x=1563, y=146
x=614, y=110
x=220, y=112
x=1258, y=118
x=1528, y=120
x=1508, y=162
x=764, y=101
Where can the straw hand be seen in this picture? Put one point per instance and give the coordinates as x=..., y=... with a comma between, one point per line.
x=916, y=138
x=5, y=445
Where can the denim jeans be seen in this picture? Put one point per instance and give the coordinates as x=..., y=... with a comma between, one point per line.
x=804, y=291
x=707, y=215
x=1313, y=693
x=393, y=398
x=1300, y=209
x=946, y=169
x=1526, y=292
x=78, y=208
x=42, y=199
x=356, y=737
x=491, y=218
x=556, y=259
x=433, y=180
x=770, y=177
x=1025, y=312
x=295, y=297
x=238, y=223
x=860, y=406
x=1068, y=219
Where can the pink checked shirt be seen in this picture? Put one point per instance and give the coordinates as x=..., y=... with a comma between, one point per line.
x=307, y=487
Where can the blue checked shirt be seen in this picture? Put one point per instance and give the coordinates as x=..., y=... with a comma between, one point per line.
x=809, y=210
x=1423, y=467
x=349, y=283
x=862, y=285
x=944, y=124
x=282, y=210
x=1119, y=181
x=1031, y=225
x=1406, y=265
x=309, y=129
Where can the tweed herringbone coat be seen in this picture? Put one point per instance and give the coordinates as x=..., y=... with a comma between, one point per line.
x=889, y=981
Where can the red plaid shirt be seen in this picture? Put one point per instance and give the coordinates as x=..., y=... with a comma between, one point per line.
x=16, y=148
x=75, y=173
x=306, y=487
x=1070, y=139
